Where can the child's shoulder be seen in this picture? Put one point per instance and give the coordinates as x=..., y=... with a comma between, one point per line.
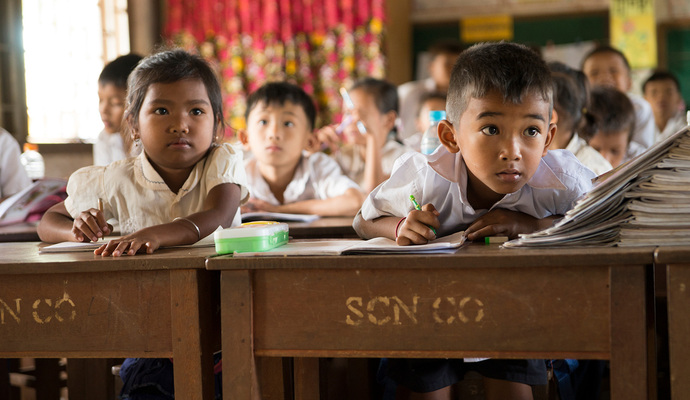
x=567, y=168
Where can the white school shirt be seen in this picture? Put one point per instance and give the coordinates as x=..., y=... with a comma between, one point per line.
x=109, y=147
x=644, y=121
x=676, y=123
x=317, y=176
x=588, y=156
x=13, y=177
x=441, y=179
x=136, y=196
x=350, y=160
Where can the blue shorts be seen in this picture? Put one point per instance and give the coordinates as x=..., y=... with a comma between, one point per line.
x=426, y=375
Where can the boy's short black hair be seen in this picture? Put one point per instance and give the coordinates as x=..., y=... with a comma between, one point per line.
x=117, y=71
x=660, y=75
x=385, y=93
x=280, y=93
x=511, y=69
x=611, y=111
x=603, y=49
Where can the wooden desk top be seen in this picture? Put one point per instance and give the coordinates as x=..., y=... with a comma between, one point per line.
x=23, y=258
x=23, y=232
x=470, y=255
x=672, y=255
x=326, y=227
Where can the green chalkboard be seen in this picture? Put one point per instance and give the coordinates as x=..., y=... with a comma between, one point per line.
x=678, y=46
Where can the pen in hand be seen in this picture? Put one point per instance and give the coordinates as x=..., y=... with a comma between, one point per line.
x=100, y=205
x=417, y=207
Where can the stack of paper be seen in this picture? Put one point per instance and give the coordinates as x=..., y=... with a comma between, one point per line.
x=646, y=202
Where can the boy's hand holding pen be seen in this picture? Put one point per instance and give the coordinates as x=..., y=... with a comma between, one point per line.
x=420, y=225
x=91, y=225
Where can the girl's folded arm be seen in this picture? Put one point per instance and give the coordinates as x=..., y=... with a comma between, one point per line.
x=56, y=225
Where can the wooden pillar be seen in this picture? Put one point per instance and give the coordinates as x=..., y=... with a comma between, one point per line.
x=398, y=41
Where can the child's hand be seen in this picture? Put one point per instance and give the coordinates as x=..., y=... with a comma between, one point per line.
x=327, y=139
x=502, y=222
x=138, y=241
x=90, y=225
x=254, y=204
x=416, y=228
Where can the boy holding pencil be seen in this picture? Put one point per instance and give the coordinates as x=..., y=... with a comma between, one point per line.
x=494, y=175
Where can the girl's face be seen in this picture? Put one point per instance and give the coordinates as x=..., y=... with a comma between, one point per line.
x=375, y=122
x=176, y=125
x=111, y=105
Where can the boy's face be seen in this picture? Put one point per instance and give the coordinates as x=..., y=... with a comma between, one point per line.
x=664, y=97
x=440, y=68
x=376, y=123
x=502, y=143
x=276, y=134
x=613, y=146
x=111, y=105
x=432, y=104
x=607, y=69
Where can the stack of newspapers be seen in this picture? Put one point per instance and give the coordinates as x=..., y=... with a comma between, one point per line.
x=646, y=202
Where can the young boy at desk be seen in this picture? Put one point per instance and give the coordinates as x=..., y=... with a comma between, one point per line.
x=282, y=177
x=494, y=175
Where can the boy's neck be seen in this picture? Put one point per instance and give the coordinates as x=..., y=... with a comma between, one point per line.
x=277, y=178
x=479, y=195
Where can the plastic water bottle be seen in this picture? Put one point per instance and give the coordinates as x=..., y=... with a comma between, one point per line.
x=430, y=140
x=32, y=161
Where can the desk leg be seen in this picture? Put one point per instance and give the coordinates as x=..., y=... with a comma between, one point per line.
x=192, y=349
x=678, y=324
x=629, y=369
x=239, y=366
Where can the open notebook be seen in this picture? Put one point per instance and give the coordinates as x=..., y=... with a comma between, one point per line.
x=445, y=244
x=68, y=247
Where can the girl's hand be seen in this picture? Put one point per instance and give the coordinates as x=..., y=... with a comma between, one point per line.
x=137, y=242
x=416, y=228
x=90, y=225
x=326, y=139
x=502, y=222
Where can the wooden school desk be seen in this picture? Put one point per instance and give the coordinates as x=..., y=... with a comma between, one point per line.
x=79, y=305
x=324, y=227
x=676, y=260
x=479, y=302
x=23, y=232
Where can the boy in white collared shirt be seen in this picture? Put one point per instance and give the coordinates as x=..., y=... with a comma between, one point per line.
x=282, y=176
x=493, y=175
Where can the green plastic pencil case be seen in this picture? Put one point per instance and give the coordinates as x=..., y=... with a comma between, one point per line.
x=251, y=237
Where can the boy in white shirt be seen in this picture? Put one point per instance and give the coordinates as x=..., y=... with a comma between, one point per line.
x=493, y=175
x=662, y=91
x=282, y=176
x=608, y=66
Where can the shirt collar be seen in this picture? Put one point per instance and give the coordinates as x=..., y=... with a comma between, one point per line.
x=149, y=178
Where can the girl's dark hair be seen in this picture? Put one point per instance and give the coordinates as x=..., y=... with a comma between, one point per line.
x=611, y=111
x=167, y=67
x=570, y=92
x=385, y=93
x=280, y=93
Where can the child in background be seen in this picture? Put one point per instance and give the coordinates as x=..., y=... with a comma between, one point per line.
x=662, y=91
x=282, y=176
x=368, y=145
x=111, y=145
x=607, y=66
x=493, y=175
x=443, y=56
x=570, y=101
x=432, y=101
x=610, y=125
x=13, y=177
x=180, y=188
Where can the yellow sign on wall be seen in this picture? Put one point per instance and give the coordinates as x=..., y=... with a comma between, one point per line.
x=633, y=31
x=486, y=28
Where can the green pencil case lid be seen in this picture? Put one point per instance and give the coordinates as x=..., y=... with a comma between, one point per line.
x=251, y=237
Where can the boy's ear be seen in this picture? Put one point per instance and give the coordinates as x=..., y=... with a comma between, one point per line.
x=446, y=133
x=243, y=137
x=549, y=135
